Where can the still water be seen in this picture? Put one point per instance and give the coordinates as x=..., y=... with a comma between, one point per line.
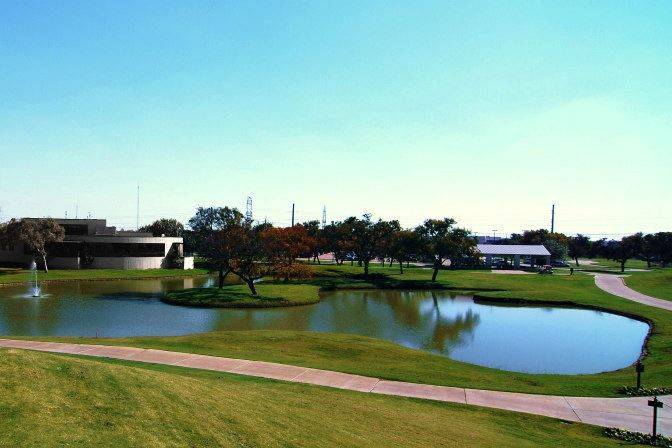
x=525, y=339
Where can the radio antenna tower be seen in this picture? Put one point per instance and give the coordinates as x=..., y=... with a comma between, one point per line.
x=324, y=216
x=137, y=211
x=248, y=209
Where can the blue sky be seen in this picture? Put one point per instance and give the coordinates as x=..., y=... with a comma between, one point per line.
x=484, y=111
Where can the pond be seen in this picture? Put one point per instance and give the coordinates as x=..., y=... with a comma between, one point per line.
x=531, y=339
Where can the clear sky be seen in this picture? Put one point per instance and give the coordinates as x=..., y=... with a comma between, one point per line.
x=488, y=112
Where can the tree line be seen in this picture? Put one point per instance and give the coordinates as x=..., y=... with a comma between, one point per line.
x=233, y=244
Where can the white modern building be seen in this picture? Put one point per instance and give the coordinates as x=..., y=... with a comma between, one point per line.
x=90, y=243
x=515, y=251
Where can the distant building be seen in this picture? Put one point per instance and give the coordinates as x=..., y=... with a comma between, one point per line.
x=487, y=239
x=90, y=243
x=514, y=251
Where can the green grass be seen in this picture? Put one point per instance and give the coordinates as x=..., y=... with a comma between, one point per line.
x=53, y=400
x=657, y=283
x=13, y=275
x=372, y=357
x=604, y=265
x=239, y=296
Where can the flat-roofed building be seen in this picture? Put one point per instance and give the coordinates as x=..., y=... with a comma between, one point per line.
x=516, y=251
x=90, y=243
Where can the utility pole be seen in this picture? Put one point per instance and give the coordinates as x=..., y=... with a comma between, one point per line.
x=76, y=211
x=324, y=216
x=248, y=209
x=553, y=219
x=292, y=214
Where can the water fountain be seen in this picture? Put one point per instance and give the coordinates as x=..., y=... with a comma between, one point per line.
x=35, y=290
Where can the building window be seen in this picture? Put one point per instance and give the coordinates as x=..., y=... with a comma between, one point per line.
x=75, y=229
x=127, y=249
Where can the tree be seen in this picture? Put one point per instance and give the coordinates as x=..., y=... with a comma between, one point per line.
x=164, y=227
x=629, y=247
x=441, y=241
x=337, y=240
x=366, y=237
x=206, y=226
x=405, y=245
x=650, y=250
x=317, y=243
x=578, y=246
x=283, y=245
x=231, y=243
x=388, y=231
x=597, y=248
x=664, y=247
x=35, y=234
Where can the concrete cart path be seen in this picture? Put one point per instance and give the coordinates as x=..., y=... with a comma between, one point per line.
x=630, y=413
x=614, y=284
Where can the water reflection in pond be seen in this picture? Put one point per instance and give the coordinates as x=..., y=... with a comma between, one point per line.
x=530, y=339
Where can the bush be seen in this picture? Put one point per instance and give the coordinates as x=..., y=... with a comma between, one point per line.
x=643, y=391
x=293, y=271
x=638, y=437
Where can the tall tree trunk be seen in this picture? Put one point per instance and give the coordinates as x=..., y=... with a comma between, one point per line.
x=436, y=271
x=577, y=261
x=391, y=261
x=622, y=266
x=366, y=269
x=648, y=263
x=250, y=284
x=46, y=268
x=222, y=276
x=401, y=267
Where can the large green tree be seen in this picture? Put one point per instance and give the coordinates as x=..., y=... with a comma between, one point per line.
x=578, y=246
x=629, y=247
x=441, y=241
x=206, y=226
x=164, y=227
x=366, y=237
x=35, y=234
x=405, y=246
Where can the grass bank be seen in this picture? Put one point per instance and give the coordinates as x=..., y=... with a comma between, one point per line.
x=12, y=276
x=657, y=283
x=52, y=400
x=239, y=296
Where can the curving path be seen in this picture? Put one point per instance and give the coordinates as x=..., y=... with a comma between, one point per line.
x=631, y=413
x=613, y=284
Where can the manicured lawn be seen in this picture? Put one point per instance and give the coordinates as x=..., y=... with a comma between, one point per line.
x=604, y=265
x=12, y=275
x=657, y=283
x=354, y=354
x=53, y=400
x=239, y=296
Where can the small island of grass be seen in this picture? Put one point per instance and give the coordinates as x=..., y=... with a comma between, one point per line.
x=239, y=296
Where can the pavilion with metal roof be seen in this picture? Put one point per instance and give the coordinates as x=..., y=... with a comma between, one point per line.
x=514, y=250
